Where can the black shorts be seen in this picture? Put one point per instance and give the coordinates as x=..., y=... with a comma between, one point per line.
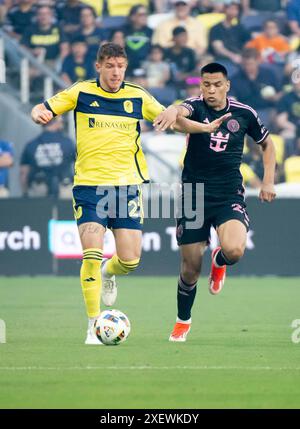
x=113, y=207
x=215, y=214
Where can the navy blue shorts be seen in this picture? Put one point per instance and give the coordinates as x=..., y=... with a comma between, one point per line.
x=113, y=207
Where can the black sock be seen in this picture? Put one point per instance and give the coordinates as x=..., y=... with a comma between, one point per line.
x=185, y=299
x=222, y=260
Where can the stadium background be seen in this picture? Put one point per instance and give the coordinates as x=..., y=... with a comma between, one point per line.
x=250, y=325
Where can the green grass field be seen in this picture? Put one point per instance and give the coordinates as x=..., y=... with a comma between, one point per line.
x=239, y=353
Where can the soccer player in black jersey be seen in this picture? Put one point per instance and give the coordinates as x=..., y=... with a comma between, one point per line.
x=214, y=160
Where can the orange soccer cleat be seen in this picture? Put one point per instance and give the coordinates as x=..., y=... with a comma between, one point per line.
x=217, y=275
x=180, y=332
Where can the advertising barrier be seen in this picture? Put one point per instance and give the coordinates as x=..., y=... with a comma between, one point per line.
x=39, y=236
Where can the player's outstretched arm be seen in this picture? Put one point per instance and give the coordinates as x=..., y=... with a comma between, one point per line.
x=267, y=192
x=167, y=118
x=41, y=115
x=185, y=125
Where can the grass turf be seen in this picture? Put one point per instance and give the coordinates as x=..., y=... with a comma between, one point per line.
x=239, y=353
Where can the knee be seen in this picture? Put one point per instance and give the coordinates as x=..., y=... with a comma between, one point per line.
x=190, y=272
x=234, y=254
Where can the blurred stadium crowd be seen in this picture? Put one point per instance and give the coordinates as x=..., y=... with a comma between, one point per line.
x=167, y=42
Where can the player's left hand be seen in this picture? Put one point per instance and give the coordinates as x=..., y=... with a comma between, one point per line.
x=267, y=192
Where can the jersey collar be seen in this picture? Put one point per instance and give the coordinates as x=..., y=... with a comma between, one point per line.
x=223, y=111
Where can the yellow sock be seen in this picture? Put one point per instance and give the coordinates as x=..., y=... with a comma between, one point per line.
x=90, y=276
x=116, y=266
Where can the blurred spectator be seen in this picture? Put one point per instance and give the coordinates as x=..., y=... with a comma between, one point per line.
x=297, y=151
x=252, y=167
x=180, y=56
x=292, y=65
x=78, y=65
x=272, y=46
x=207, y=6
x=3, y=10
x=45, y=39
x=256, y=85
x=47, y=162
x=254, y=6
x=293, y=16
x=197, y=38
x=68, y=15
x=137, y=37
x=97, y=5
x=139, y=77
x=92, y=34
x=228, y=38
x=250, y=179
x=288, y=117
x=161, y=6
x=123, y=7
x=192, y=87
x=118, y=37
x=6, y=161
x=20, y=17
x=254, y=160
x=292, y=167
x=157, y=69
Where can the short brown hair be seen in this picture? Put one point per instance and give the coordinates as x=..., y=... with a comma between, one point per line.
x=111, y=50
x=250, y=53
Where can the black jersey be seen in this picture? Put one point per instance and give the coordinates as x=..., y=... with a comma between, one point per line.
x=215, y=159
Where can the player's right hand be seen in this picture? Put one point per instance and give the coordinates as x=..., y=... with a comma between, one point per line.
x=215, y=125
x=41, y=115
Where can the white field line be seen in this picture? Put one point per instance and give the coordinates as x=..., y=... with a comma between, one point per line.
x=149, y=368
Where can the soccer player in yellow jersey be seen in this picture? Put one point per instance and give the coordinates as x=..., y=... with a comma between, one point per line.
x=109, y=170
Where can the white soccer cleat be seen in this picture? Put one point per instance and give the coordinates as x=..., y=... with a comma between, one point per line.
x=91, y=338
x=109, y=287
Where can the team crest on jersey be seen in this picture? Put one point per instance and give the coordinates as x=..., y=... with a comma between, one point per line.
x=128, y=106
x=233, y=125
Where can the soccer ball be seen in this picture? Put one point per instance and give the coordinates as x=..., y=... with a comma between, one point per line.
x=112, y=327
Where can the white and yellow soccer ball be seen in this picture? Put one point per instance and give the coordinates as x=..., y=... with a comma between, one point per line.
x=112, y=327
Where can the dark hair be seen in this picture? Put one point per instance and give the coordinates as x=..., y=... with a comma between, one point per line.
x=250, y=53
x=234, y=3
x=78, y=39
x=110, y=50
x=178, y=30
x=135, y=8
x=43, y=6
x=214, y=68
x=90, y=8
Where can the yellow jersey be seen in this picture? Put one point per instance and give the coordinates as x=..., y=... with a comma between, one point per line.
x=107, y=124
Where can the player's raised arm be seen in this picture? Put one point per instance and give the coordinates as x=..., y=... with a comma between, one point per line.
x=188, y=126
x=41, y=115
x=267, y=192
x=60, y=103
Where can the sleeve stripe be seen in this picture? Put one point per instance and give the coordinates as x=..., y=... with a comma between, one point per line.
x=264, y=137
x=189, y=107
x=47, y=105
